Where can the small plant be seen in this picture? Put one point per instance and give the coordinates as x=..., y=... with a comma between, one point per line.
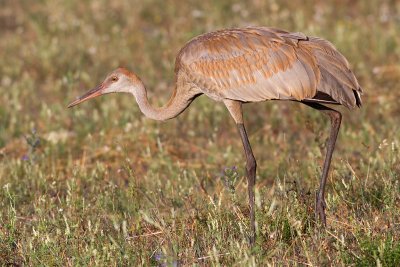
x=230, y=177
x=33, y=142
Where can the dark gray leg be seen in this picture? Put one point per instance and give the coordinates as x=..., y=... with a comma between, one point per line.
x=251, y=166
x=336, y=119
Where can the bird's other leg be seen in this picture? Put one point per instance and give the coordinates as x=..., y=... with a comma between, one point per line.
x=235, y=109
x=336, y=118
x=251, y=166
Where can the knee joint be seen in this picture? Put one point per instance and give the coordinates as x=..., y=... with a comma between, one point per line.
x=251, y=165
x=336, y=117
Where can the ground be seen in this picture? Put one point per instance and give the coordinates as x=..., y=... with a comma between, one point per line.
x=102, y=185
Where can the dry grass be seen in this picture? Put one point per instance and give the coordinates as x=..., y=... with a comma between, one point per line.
x=102, y=185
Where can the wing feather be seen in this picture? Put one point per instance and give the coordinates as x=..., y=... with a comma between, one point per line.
x=259, y=63
x=337, y=80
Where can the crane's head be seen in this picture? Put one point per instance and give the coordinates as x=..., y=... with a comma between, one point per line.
x=119, y=81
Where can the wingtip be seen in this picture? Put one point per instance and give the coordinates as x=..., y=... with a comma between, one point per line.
x=357, y=95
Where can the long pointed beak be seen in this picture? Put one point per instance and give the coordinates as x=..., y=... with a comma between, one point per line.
x=88, y=95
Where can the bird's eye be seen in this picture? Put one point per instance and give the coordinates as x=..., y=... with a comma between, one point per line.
x=114, y=78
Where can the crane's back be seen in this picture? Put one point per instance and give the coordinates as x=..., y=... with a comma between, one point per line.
x=259, y=63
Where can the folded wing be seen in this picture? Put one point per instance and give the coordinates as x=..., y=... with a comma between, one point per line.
x=258, y=63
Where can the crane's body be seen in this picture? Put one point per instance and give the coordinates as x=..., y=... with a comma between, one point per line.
x=252, y=64
x=258, y=63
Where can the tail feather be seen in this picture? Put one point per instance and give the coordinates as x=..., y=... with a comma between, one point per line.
x=337, y=80
x=339, y=91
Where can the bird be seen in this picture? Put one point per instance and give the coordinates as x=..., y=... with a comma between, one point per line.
x=237, y=66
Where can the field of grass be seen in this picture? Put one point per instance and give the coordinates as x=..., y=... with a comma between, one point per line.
x=102, y=185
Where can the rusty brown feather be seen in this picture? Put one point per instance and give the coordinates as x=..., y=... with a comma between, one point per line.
x=259, y=63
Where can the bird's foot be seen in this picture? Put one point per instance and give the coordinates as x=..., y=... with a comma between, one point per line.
x=320, y=206
x=252, y=239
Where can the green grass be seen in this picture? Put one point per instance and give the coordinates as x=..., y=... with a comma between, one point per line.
x=102, y=185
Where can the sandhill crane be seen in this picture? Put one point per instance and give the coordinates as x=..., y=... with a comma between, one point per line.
x=252, y=64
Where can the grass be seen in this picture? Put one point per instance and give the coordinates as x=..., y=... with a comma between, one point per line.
x=102, y=185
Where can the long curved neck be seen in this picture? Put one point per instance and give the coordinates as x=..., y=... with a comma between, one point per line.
x=177, y=103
